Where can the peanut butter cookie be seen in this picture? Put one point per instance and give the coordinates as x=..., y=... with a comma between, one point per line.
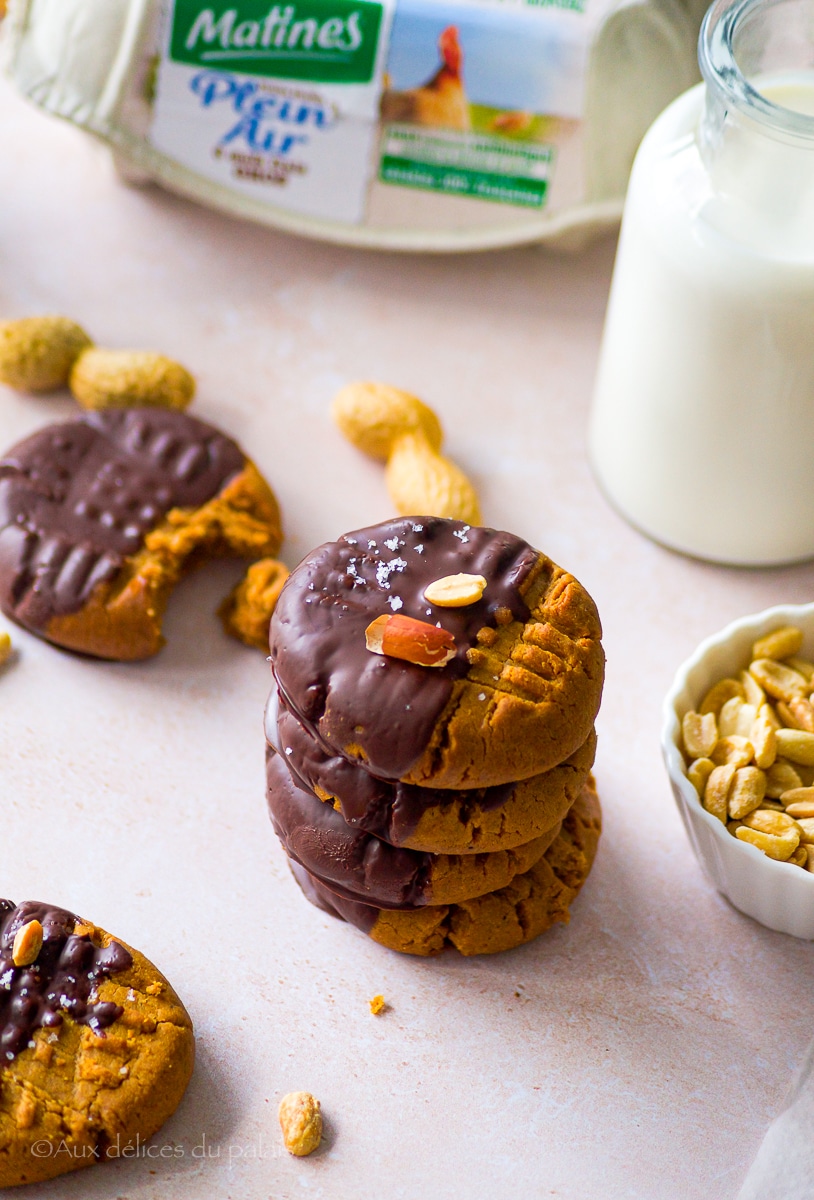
x=500, y=920
x=100, y=517
x=517, y=695
x=436, y=820
x=96, y=1049
x=359, y=866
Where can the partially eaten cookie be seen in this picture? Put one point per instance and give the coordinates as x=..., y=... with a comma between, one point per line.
x=101, y=516
x=96, y=1049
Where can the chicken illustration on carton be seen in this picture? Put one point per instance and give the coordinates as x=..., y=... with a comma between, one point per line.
x=441, y=100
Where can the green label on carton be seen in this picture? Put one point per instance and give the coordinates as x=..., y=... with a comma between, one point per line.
x=316, y=41
x=466, y=165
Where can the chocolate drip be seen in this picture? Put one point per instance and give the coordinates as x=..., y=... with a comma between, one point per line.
x=77, y=499
x=389, y=810
x=349, y=861
x=363, y=916
x=63, y=978
x=350, y=697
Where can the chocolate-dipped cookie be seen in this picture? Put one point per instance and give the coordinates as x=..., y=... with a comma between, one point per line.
x=517, y=696
x=100, y=516
x=96, y=1049
x=500, y=920
x=358, y=866
x=436, y=820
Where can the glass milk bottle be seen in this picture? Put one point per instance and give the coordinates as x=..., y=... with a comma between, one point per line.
x=702, y=432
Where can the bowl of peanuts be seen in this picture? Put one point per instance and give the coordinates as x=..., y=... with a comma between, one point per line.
x=738, y=743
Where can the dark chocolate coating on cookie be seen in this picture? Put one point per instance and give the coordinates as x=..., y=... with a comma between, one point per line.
x=77, y=499
x=349, y=861
x=61, y=980
x=389, y=809
x=350, y=697
x=362, y=916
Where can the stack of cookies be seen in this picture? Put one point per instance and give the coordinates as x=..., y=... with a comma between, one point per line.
x=430, y=735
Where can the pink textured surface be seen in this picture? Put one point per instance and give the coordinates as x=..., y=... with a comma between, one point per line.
x=639, y=1052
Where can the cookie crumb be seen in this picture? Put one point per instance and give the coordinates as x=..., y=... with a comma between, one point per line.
x=377, y=1005
x=301, y=1123
x=246, y=611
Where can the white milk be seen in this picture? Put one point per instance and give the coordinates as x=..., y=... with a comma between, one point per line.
x=703, y=425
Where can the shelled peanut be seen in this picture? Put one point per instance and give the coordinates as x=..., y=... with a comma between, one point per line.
x=750, y=750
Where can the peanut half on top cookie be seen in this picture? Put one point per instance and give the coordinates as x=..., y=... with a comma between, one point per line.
x=96, y=1049
x=430, y=737
x=101, y=516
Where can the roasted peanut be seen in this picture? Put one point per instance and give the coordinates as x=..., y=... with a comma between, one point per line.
x=5, y=648
x=301, y=1123
x=390, y=424
x=699, y=733
x=763, y=737
x=699, y=772
x=781, y=777
x=796, y=745
x=753, y=692
x=37, y=353
x=737, y=751
x=778, y=680
x=718, y=695
x=736, y=717
x=783, y=833
x=780, y=847
x=746, y=793
x=728, y=716
x=27, y=944
x=799, y=802
x=780, y=643
x=802, y=713
x=130, y=379
x=418, y=642
x=455, y=591
x=716, y=793
x=806, y=827
x=802, y=665
x=770, y=821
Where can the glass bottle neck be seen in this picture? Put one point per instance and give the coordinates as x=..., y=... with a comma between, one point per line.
x=756, y=135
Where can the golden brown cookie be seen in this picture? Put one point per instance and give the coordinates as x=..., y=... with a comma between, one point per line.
x=101, y=516
x=246, y=611
x=96, y=1049
x=437, y=820
x=359, y=866
x=500, y=920
x=518, y=695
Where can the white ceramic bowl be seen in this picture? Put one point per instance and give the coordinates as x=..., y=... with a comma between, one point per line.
x=777, y=894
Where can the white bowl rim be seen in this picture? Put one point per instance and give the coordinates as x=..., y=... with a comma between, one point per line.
x=757, y=623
